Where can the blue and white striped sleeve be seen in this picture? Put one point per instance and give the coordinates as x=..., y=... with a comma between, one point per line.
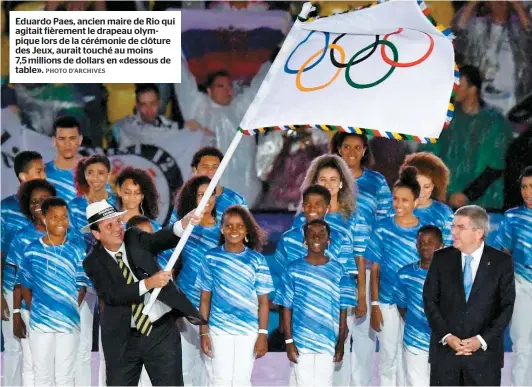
x=504, y=235
x=384, y=201
x=205, y=280
x=361, y=234
x=285, y=295
x=374, y=251
x=25, y=272
x=400, y=296
x=263, y=279
x=348, y=296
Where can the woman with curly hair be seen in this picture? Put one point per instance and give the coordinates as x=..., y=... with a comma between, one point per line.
x=332, y=172
x=204, y=237
x=91, y=180
x=392, y=246
x=374, y=202
x=433, y=178
x=30, y=196
x=137, y=195
x=235, y=282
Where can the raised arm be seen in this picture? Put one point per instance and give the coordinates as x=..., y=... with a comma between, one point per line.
x=187, y=93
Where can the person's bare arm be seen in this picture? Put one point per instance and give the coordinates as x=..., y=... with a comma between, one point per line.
x=261, y=345
x=362, y=306
x=205, y=311
x=376, y=320
x=291, y=349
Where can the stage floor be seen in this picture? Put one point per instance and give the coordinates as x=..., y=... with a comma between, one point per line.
x=273, y=369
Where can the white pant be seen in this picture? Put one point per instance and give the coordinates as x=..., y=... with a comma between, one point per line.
x=12, y=370
x=417, y=367
x=521, y=333
x=342, y=370
x=83, y=360
x=28, y=377
x=391, y=349
x=102, y=378
x=54, y=358
x=197, y=367
x=233, y=359
x=314, y=369
x=364, y=343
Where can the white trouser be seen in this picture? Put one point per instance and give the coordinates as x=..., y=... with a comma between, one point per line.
x=391, y=349
x=417, y=367
x=314, y=369
x=54, y=358
x=233, y=359
x=342, y=370
x=28, y=377
x=197, y=367
x=521, y=333
x=12, y=370
x=102, y=378
x=364, y=344
x=83, y=360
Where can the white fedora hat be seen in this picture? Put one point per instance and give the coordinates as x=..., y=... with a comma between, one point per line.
x=98, y=211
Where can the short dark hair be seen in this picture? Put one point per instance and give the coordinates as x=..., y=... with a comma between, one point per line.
x=408, y=179
x=316, y=189
x=68, y=122
x=338, y=139
x=137, y=220
x=474, y=78
x=320, y=222
x=527, y=172
x=186, y=198
x=52, y=202
x=206, y=151
x=144, y=88
x=23, y=160
x=25, y=190
x=430, y=228
x=212, y=77
x=79, y=175
x=257, y=237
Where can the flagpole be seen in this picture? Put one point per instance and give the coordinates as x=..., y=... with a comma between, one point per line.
x=188, y=231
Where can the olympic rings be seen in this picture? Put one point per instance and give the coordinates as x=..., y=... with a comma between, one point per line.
x=302, y=68
x=290, y=71
x=379, y=81
x=344, y=65
x=408, y=64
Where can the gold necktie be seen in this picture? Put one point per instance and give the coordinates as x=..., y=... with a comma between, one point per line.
x=142, y=321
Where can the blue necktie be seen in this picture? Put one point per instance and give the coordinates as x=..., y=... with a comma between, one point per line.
x=468, y=276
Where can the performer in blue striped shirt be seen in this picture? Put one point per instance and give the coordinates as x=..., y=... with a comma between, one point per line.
x=433, y=178
x=60, y=172
x=235, y=282
x=315, y=293
x=332, y=172
x=374, y=202
x=205, y=236
x=392, y=246
x=53, y=287
x=205, y=162
x=91, y=178
x=28, y=166
x=515, y=236
x=409, y=299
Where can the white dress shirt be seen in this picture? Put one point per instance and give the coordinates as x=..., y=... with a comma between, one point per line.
x=159, y=308
x=475, y=262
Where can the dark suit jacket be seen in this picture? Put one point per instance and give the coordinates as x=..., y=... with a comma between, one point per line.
x=487, y=312
x=141, y=249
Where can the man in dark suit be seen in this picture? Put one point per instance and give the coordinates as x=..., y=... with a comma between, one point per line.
x=469, y=297
x=123, y=270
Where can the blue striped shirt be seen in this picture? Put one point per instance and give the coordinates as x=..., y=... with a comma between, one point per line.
x=409, y=295
x=316, y=294
x=235, y=281
x=12, y=221
x=226, y=199
x=374, y=199
x=62, y=180
x=202, y=240
x=77, y=209
x=54, y=274
x=393, y=247
x=439, y=215
x=515, y=235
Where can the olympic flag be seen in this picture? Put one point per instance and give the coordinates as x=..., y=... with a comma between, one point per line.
x=385, y=70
